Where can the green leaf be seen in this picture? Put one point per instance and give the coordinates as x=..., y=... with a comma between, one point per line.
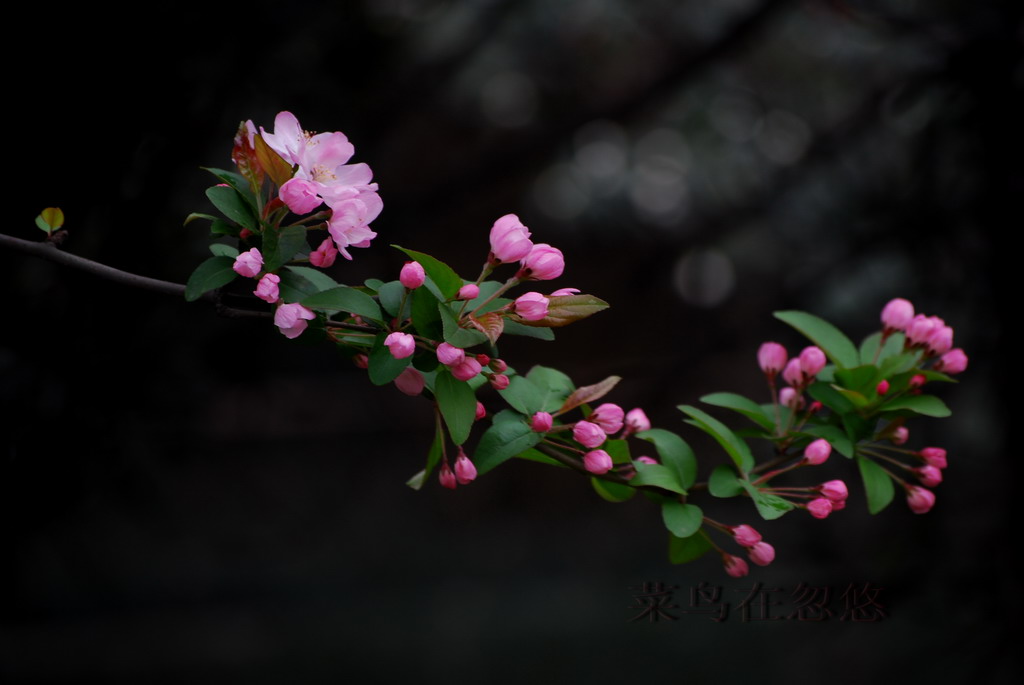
x=926, y=405
x=836, y=436
x=231, y=204
x=533, y=455
x=425, y=315
x=502, y=441
x=861, y=379
x=221, y=227
x=868, y=348
x=345, y=299
x=683, y=550
x=831, y=398
x=222, y=250
x=659, y=476
x=280, y=246
x=447, y=281
x=383, y=368
x=391, y=294
x=457, y=403
x=735, y=446
x=236, y=181
x=555, y=386
x=315, y=276
x=433, y=456
x=877, y=484
x=724, y=482
x=618, y=450
x=682, y=520
x=612, y=492
x=294, y=287
x=214, y=273
x=769, y=506
x=197, y=215
x=674, y=453
x=453, y=334
x=830, y=339
x=524, y=395
x=752, y=410
x=373, y=284
x=516, y=328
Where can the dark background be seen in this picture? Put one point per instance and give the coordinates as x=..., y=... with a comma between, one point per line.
x=189, y=498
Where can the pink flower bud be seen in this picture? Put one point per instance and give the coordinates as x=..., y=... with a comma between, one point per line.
x=468, y=292
x=734, y=566
x=792, y=374
x=930, y=476
x=597, y=462
x=324, y=255
x=954, y=361
x=920, y=329
x=788, y=397
x=819, y=508
x=449, y=355
x=541, y=422
x=410, y=381
x=920, y=500
x=267, y=289
x=588, y=434
x=300, y=195
x=412, y=275
x=608, y=416
x=401, y=345
x=745, y=535
x=565, y=292
x=812, y=360
x=897, y=314
x=481, y=411
x=446, y=476
x=465, y=472
x=771, y=357
x=498, y=366
x=834, y=490
x=941, y=340
x=483, y=359
x=815, y=407
x=934, y=456
x=761, y=554
x=900, y=435
x=647, y=460
x=361, y=360
x=637, y=421
x=916, y=381
x=499, y=381
x=817, y=452
x=291, y=319
x=248, y=264
x=882, y=387
x=510, y=239
x=466, y=370
x=542, y=264
x=838, y=504
x=531, y=306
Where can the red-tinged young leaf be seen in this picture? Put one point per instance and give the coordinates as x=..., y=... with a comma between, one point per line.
x=279, y=171
x=243, y=154
x=589, y=393
x=491, y=324
x=564, y=310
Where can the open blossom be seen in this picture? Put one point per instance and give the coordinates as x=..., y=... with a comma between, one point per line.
x=268, y=288
x=608, y=416
x=531, y=306
x=542, y=263
x=291, y=319
x=400, y=345
x=350, y=219
x=249, y=263
x=588, y=434
x=324, y=255
x=597, y=462
x=510, y=239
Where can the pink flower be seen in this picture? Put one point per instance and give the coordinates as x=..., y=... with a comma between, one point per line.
x=900, y=435
x=734, y=566
x=292, y=318
x=412, y=275
x=465, y=472
x=597, y=462
x=565, y=292
x=468, y=292
x=467, y=369
x=542, y=264
x=882, y=387
x=792, y=373
x=941, y=340
x=324, y=255
x=745, y=535
x=400, y=345
x=916, y=381
x=301, y=196
x=499, y=381
x=446, y=476
x=930, y=476
x=647, y=460
x=789, y=397
x=350, y=219
x=820, y=507
x=248, y=264
x=817, y=452
x=410, y=381
x=531, y=306
x=761, y=553
x=510, y=239
x=897, y=314
x=636, y=421
x=771, y=357
x=481, y=411
x=812, y=360
x=920, y=329
x=834, y=490
x=588, y=434
x=541, y=422
x=449, y=355
x=934, y=456
x=267, y=289
x=952, y=362
x=608, y=416
x=920, y=500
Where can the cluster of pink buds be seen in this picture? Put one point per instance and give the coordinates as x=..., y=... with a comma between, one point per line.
x=758, y=551
x=928, y=333
x=921, y=499
x=464, y=473
x=510, y=242
x=797, y=372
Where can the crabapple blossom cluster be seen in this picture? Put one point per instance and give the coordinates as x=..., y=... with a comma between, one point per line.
x=296, y=202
